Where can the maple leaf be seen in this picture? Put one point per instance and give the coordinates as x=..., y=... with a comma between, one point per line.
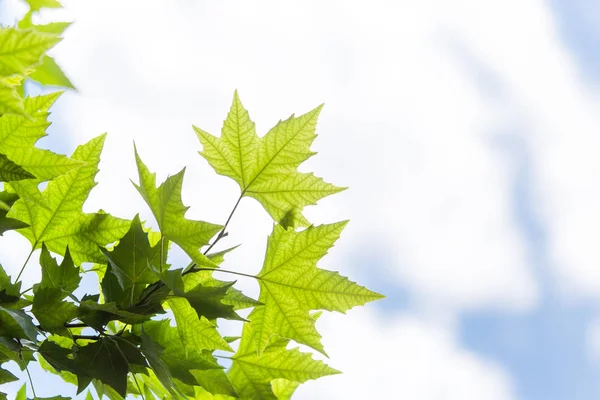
x=51, y=311
x=130, y=262
x=251, y=374
x=19, y=134
x=107, y=359
x=16, y=324
x=64, y=276
x=50, y=73
x=10, y=101
x=9, y=171
x=166, y=352
x=266, y=168
x=283, y=388
x=6, y=376
x=169, y=211
x=195, y=331
x=63, y=223
x=291, y=286
x=6, y=224
x=22, y=48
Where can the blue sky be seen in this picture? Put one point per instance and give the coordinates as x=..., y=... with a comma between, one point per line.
x=473, y=205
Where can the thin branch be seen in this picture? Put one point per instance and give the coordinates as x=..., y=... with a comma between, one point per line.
x=76, y=325
x=122, y=330
x=195, y=269
x=86, y=337
x=222, y=233
x=31, y=382
x=138, y=386
x=25, y=264
x=218, y=356
x=25, y=291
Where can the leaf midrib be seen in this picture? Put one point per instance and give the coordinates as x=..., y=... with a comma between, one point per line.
x=274, y=156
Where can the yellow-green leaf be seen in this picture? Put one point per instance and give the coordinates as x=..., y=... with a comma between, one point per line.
x=267, y=168
x=291, y=286
x=251, y=375
x=49, y=73
x=22, y=48
x=197, y=333
x=37, y=4
x=10, y=101
x=169, y=211
x=63, y=223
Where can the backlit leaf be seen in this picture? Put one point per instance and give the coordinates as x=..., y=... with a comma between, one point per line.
x=9, y=171
x=169, y=211
x=64, y=276
x=130, y=261
x=195, y=332
x=63, y=223
x=21, y=49
x=266, y=168
x=291, y=285
x=49, y=73
x=251, y=374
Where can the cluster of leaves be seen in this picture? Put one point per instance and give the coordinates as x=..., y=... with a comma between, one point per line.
x=120, y=341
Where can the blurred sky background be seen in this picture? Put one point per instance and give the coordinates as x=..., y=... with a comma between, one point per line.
x=468, y=132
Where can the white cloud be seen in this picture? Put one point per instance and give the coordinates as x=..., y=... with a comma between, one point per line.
x=401, y=358
x=404, y=126
x=561, y=112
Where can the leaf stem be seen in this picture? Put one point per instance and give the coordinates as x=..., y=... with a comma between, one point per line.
x=222, y=233
x=76, y=325
x=25, y=264
x=86, y=337
x=194, y=269
x=25, y=291
x=138, y=386
x=31, y=382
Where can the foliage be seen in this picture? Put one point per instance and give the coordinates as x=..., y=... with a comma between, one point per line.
x=121, y=341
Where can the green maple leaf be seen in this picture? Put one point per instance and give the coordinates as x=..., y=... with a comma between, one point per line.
x=38, y=4
x=169, y=211
x=10, y=101
x=251, y=374
x=10, y=291
x=21, y=49
x=266, y=168
x=9, y=171
x=50, y=73
x=12, y=350
x=97, y=315
x=19, y=134
x=195, y=332
x=7, y=224
x=56, y=28
x=215, y=381
x=51, y=311
x=108, y=359
x=159, y=369
x=214, y=298
x=64, y=277
x=284, y=389
x=22, y=393
x=291, y=286
x=130, y=262
x=16, y=324
x=164, y=349
x=6, y=376
x=63, y=223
